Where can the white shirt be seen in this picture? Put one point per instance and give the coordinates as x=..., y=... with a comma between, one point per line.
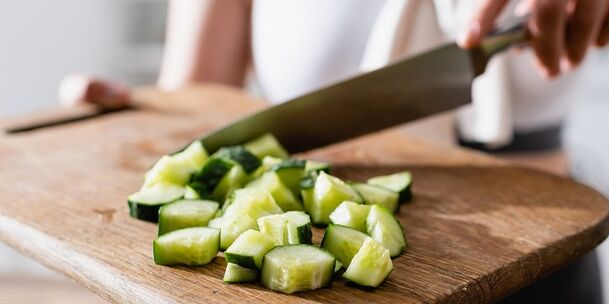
x=299, y=46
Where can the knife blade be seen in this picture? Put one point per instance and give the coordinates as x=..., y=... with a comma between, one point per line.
x=430, y=83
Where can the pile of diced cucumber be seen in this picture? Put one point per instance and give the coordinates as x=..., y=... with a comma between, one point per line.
x=257, y=205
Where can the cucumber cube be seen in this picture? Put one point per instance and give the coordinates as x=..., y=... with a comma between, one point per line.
x=343, y=242
x=384, y=227
x=191, y=246
x=295, y=268
x=185, y=214
x=249, y=249
x=350, y=214
x=370, y=266
x=328, y=193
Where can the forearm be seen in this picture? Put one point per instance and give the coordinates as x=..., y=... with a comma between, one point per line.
x=207, y=41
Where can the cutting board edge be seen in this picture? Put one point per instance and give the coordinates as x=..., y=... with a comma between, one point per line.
x=98, y=278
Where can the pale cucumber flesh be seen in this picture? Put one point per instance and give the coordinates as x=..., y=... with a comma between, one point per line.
x=190, y=246
x=295, y=268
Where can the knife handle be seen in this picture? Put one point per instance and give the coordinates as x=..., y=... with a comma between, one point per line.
x=507, y=35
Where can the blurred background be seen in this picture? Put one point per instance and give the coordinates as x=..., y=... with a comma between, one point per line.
x=40, y=43
x=122, y=40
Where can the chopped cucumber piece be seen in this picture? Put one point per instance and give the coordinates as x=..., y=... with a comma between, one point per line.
x=290, y=172
x=378, y=195
x=266, y=145
x=267, y=163
x=295, y=268
x=185, y=214
x=253, y=202
x=206, y=180
x=195, y=154
x=317, y=167
x=384, y=227
x=145, y=204
x=190, y=193
x=190, y=246
x=237, y=274
x=288, y=228
x=398, y=182
x=350, y=214
x=328, y=193
x=168, y=170
x=370, y=266
x=231, y=227
x=284, y=197
x=343, y=242
x=233, y=180
x=177, y=169
x=249, y=249
x=240, y=155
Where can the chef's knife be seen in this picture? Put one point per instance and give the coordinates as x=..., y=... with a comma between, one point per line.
x=416, y=87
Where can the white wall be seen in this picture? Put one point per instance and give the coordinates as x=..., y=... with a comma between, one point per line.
x=41, y=41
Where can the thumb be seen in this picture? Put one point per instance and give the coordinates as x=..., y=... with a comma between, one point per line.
x=482, y=23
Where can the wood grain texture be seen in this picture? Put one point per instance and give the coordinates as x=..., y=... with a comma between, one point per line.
x=478, y=228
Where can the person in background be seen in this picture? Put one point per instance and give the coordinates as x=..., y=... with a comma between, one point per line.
x=291, y=47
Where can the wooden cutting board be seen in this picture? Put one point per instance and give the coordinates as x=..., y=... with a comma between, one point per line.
x=479, y=229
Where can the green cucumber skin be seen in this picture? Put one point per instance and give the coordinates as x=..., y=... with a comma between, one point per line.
x=149, y=213
x=242, y=156
x=205, y=181
x=305, y=236
x=241, y=260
